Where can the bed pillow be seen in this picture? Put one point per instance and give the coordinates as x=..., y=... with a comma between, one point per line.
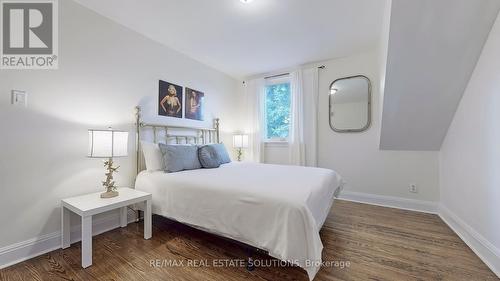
x=209, y=158
x=178, y=157
x=213, y=155
x=152, y=156
x=222, y=152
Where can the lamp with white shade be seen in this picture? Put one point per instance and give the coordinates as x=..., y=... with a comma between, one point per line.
x=108, y=144
x=240, y=141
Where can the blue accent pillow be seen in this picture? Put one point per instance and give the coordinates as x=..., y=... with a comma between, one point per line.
x=180, y=157
x=222, y=152
x=209, y=158
x=213, y=155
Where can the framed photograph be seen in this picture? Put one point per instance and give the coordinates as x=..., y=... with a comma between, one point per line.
x=170, y=100
x=194, y=104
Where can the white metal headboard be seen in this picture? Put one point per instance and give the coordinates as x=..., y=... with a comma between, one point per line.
x=173, y=134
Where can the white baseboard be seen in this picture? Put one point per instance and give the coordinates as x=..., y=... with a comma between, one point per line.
x=486, y=251
x=31, y=248
x=390, y=201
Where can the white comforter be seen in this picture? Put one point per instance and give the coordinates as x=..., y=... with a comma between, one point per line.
x=276, y=208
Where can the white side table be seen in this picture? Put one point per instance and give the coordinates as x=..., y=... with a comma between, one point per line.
x=91, y=204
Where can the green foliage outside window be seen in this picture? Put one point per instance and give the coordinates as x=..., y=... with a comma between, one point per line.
x=278, y=110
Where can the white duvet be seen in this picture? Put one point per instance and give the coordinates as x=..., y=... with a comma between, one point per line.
x=276, y=208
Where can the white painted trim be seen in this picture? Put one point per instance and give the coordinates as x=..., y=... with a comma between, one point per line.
x=486, y=251
x=271, y=144
x=390, y=201
x=31, y=248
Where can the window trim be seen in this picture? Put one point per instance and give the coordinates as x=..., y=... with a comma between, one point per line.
x=276, y=144
x=277, y=140
x=270, y=82
x=278, y=80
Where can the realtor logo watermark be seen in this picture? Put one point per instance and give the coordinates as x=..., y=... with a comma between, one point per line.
x=29, y=34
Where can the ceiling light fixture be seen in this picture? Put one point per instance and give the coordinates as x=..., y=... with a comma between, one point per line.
x=245, y=1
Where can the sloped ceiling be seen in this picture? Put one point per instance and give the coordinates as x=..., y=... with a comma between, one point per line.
x=261, y=36
x=433, y=49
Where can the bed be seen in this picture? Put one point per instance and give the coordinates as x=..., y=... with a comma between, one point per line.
x=276, y=208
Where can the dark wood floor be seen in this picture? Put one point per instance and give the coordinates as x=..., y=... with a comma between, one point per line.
x=379, y=244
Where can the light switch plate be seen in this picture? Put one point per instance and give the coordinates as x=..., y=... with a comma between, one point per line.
x=19, y=98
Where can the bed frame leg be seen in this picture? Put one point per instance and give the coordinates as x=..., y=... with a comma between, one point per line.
x=250, y=264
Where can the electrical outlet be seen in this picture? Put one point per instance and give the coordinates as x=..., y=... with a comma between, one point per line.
x=413, y=188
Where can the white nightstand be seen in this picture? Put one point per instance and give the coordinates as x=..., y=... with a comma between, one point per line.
x=91, y=204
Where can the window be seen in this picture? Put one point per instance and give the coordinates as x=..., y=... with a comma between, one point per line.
x=277, y=110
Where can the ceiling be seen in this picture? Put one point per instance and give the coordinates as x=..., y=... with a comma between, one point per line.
x=433, y=49
x=248, y=39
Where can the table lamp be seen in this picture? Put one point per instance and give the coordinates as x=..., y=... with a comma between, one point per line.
x=240, y=141
x=108, y=144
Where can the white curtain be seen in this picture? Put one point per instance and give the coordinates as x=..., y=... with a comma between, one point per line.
x=304, y=117
x=255, y=93
x=296, y=146
x=311, y=98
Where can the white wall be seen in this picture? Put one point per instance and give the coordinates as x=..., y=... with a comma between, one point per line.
x=357, y=157
x=276, y=153
x=105, y=70
x=470, y=155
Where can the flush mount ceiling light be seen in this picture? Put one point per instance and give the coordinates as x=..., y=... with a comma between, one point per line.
x=246, y=1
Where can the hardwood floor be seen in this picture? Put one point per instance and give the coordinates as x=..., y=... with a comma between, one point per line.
x=379, y=244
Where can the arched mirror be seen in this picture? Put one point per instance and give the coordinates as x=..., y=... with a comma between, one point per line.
x=350, y=104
